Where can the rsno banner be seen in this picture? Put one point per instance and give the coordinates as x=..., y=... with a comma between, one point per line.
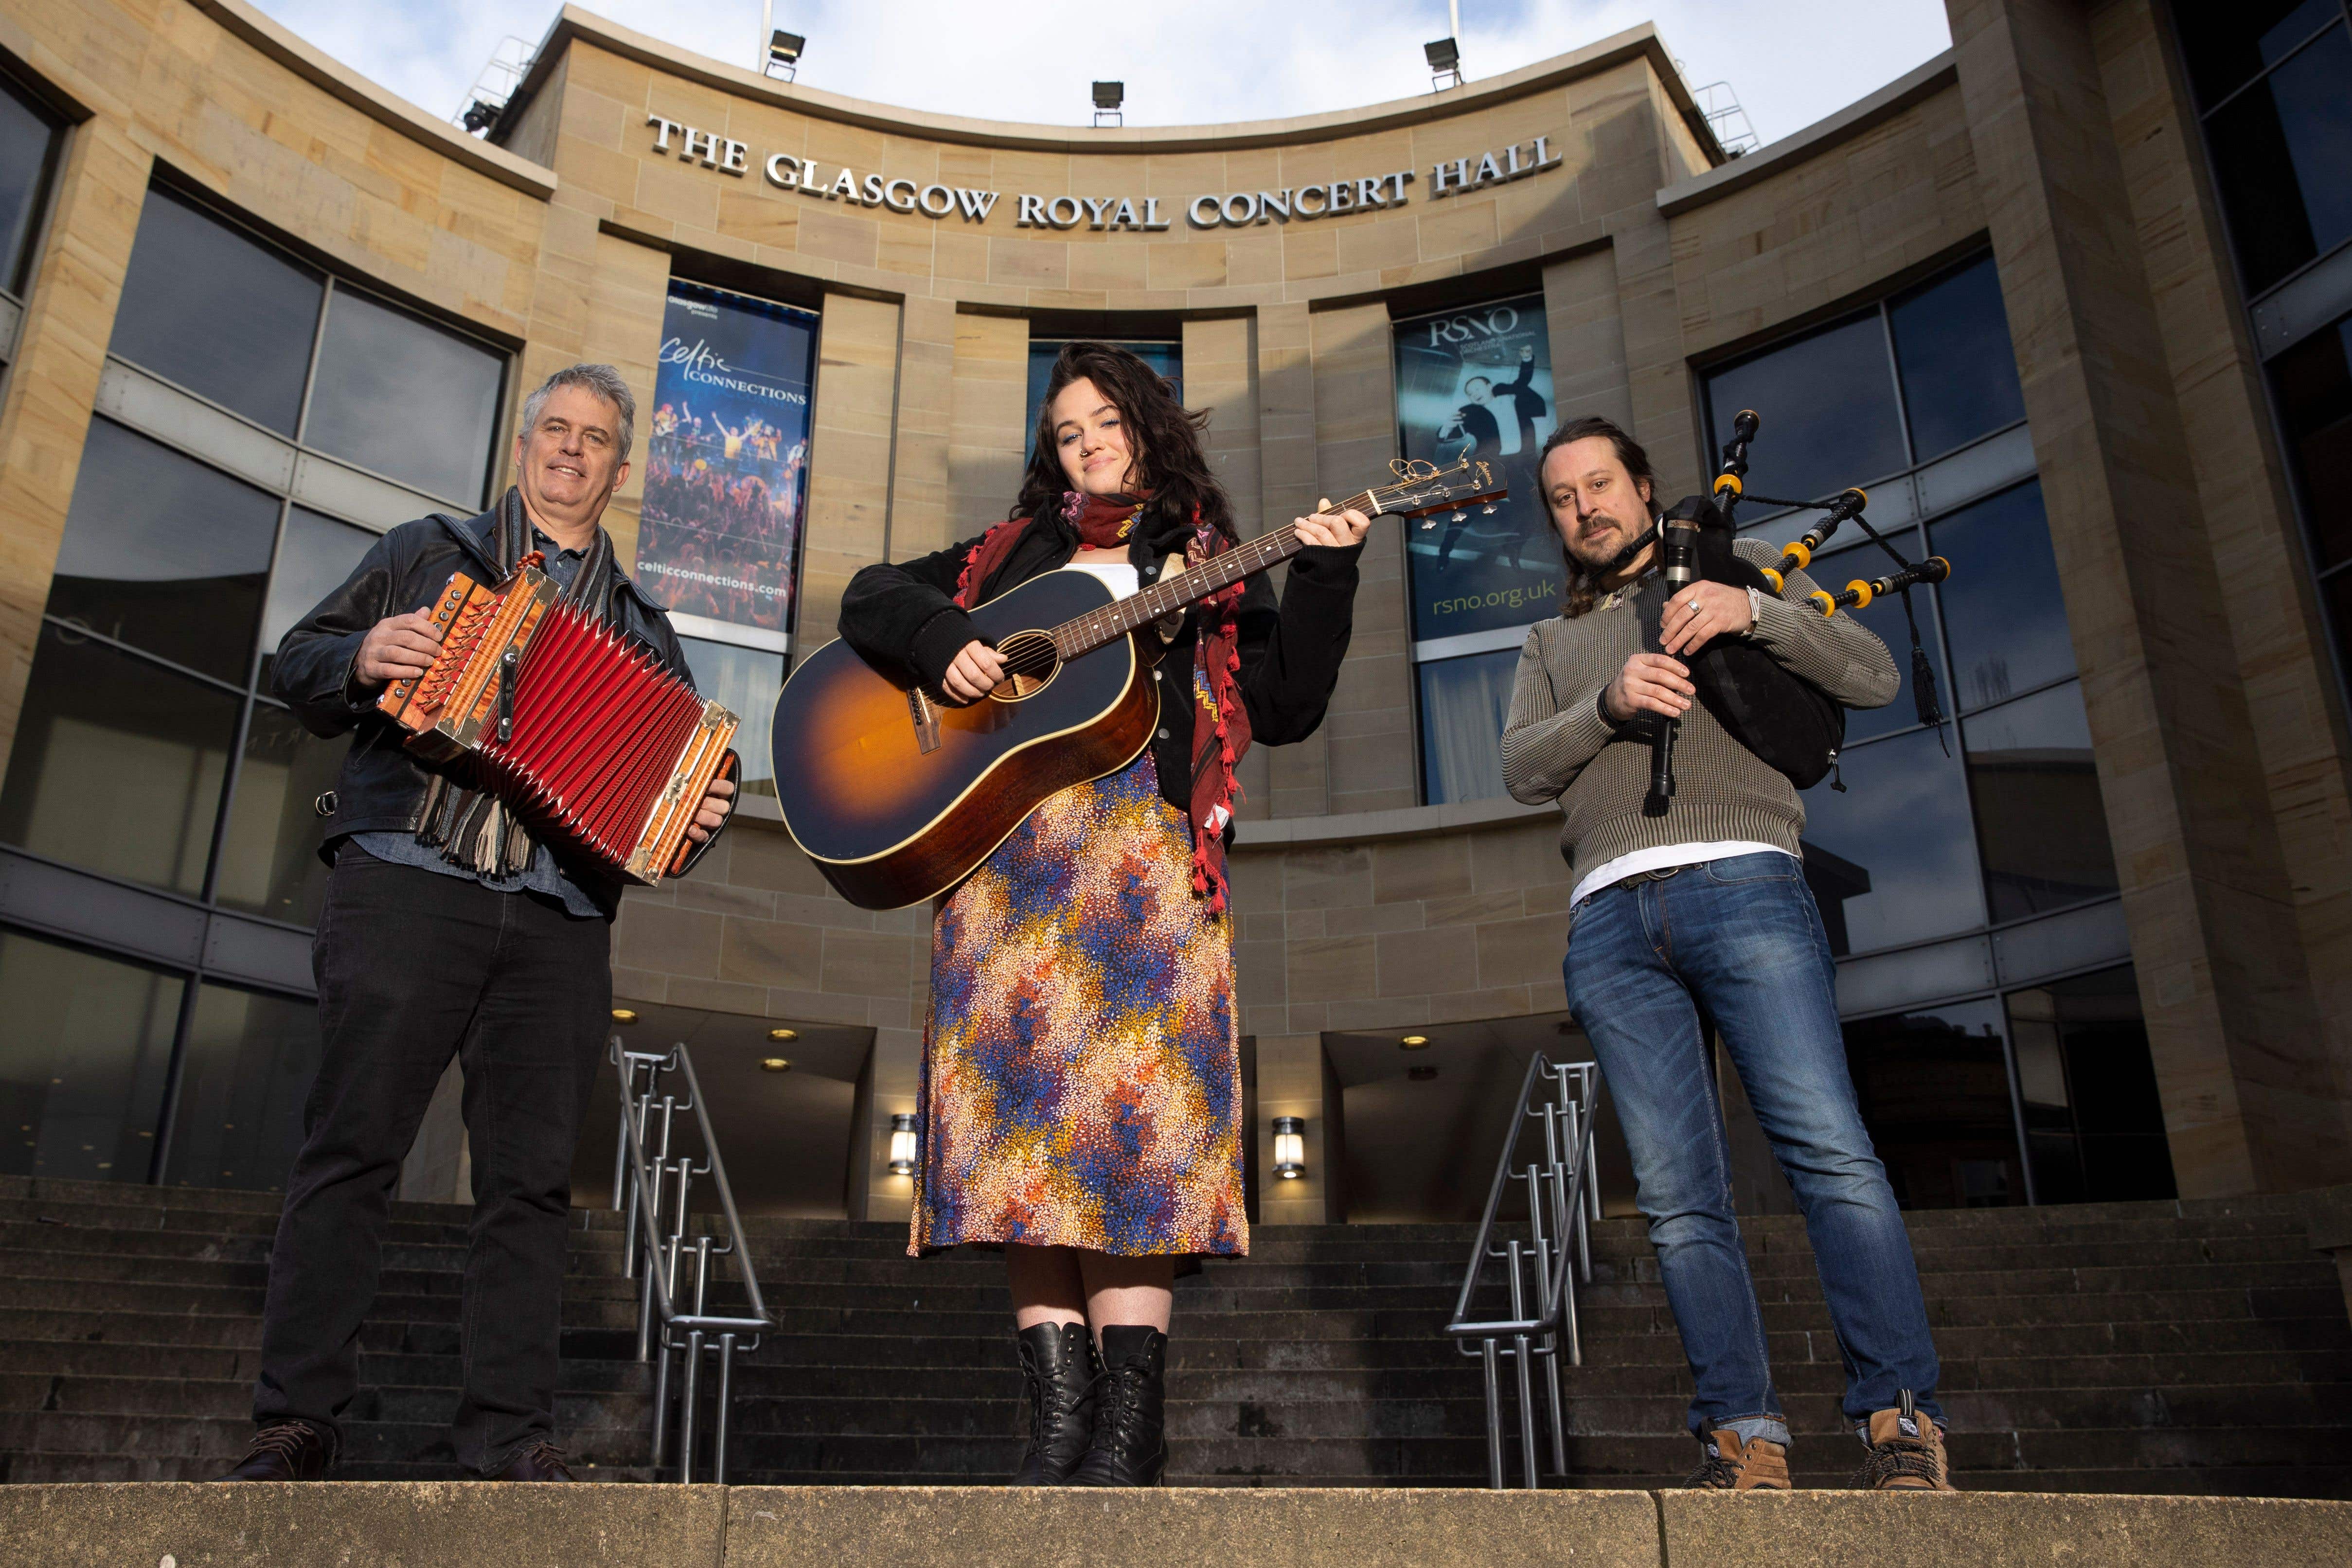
x=727, y=457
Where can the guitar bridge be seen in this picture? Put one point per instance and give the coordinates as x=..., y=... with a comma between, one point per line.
x=926, y=718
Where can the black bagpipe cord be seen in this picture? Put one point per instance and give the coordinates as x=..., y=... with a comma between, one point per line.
x=1923, y=673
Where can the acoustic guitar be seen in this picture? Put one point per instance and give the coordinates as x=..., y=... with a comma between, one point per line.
x=896, y=795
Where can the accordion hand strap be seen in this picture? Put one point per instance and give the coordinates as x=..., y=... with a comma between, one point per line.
x=472, y=827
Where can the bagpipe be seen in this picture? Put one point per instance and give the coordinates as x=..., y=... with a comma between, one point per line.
x=1790, y=724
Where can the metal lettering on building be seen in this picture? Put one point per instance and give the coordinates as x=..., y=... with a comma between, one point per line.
x=1212, y=209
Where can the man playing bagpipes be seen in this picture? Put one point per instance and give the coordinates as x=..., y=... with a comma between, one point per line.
x=1673, y=711
x=450, y=930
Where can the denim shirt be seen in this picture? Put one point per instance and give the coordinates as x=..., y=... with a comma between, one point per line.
x=542, y=876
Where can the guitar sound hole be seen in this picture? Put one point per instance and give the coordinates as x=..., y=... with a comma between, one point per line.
x=1030, y=665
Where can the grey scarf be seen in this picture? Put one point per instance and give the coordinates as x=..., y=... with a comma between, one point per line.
x=471, y=828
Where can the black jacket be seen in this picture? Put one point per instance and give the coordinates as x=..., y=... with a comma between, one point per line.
x=903, y=617
x=382, y=787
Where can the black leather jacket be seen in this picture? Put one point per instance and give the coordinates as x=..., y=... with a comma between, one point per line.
x=382, y=787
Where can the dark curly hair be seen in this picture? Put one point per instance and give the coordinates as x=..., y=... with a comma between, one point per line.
x=1163, y=436
x=1583, y=589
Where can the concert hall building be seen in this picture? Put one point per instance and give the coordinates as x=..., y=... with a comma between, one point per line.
x=2072, y=302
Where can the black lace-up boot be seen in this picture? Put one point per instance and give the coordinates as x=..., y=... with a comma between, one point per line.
x=284, y=1451
x=1130, y=1443
x=1057, y=1362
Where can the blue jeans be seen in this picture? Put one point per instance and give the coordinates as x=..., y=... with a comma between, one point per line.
x=1739, y=942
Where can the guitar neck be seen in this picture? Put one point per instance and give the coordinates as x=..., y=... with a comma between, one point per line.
x=1115, y=620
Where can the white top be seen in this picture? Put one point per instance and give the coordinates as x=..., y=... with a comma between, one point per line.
x=1118, y=574
x=1663, y=855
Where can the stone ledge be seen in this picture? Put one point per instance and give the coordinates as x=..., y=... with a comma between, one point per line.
x=441, y=1524
x=1924, y=81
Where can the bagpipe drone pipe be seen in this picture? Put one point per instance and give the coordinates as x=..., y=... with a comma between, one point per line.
x=1790, y=724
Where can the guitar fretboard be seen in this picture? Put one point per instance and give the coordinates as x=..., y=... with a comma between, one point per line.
x=1115, y=620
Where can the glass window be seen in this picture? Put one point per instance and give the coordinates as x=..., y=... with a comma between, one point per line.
x=1884, y=616
x=208, y=306
x=117, y=764
x=2002, y=608
x=2094, y=1119
x=1933, y=1091
x=1828, y=406
x=244, y=1074
x=1476, y=384
x=314, y=558
x=2041, y=823
x=2280, y=149
x=1463, y=702
x=28, y=138
x=405, y=398
x=746, y=679
x=2315, y=398
x=2226, y=46
x=1900, y=862
x=269, y=855
x=83, y=1061
x=164, y=553
x=1959, y=372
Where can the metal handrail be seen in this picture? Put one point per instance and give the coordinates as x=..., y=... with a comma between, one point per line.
x=1561, y=1188
x=660, y=1221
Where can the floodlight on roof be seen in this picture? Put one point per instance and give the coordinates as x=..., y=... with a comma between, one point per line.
x=1108, y=96
x=1444, y=57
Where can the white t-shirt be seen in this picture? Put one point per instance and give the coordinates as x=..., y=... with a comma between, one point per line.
x=1663, y=855
x=1121, y=577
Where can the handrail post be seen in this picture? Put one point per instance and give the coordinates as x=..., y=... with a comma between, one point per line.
x=725, y=1392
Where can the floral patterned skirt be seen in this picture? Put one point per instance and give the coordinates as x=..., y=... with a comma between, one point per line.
x=1081, y=1080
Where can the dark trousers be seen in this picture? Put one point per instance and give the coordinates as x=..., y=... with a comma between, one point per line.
x=413, y=967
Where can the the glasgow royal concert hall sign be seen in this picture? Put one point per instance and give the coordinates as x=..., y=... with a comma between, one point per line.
x=1211, y=209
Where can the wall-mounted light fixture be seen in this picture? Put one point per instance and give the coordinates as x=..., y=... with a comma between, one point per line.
x=1289, y=1147
x=625, y=1016
x=902, y=1143
x=775, y=1064
x=1414, y=1042
x=785, y=1036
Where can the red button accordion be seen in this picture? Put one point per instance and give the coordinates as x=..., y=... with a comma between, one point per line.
x=577, y=729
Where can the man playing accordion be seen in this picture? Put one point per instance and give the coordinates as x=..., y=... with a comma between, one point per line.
x=1693, y=912
x=449, y=931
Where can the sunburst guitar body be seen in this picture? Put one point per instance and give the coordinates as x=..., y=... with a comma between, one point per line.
x=896, y=795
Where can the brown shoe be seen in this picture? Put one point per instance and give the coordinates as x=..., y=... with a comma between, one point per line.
x=541, y=1461
x=284, y=1451
x=1732, y=1466
x=1906, y=1452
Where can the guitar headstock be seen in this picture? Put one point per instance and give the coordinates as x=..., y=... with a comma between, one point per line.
x=1422, y=488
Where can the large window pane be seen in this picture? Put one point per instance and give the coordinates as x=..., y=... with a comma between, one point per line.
x=83, y=1061
x=245, y=1071
x=117, y=764
x=1933, y=1091
x=746, y=680
x=269, y=858
x=2280, y=151
x=2226, y=45
x=1477, y=384
x=27, y=135
x=1959, y=373
x=1828, y=406
x=2094, y=1119
x=1896, y=858
x=1884, y=616
x=2041, y=824
x=2315, y=398
x=1463, y=702
x=314, y=558
x=405, y=398
x=164, y=553
x=2002, y=608
x=206, y=305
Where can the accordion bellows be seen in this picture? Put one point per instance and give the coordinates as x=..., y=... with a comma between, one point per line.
x=577, y=729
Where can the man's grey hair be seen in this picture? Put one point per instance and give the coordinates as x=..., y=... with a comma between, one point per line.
x=601, y=379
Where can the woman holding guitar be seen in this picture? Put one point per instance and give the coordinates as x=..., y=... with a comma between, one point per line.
x=1082, y=1103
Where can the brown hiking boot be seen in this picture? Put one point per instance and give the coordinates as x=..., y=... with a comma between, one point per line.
x=1732, y=1466
x=1906, y=1452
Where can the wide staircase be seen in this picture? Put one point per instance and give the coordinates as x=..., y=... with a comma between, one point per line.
x=2196, y=1347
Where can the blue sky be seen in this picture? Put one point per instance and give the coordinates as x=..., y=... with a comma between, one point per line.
x=1196, y=63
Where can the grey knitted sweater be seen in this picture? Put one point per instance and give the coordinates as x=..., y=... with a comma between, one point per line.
x=1557, y=746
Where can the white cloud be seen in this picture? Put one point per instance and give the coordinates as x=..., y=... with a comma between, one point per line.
x=1208, y=61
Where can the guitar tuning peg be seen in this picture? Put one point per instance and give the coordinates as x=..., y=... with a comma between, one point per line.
x=1427, y=524
x=1459, y=516
x=1487, y=510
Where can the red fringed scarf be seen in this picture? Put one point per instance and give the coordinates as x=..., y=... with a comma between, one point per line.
x=1221, y=732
